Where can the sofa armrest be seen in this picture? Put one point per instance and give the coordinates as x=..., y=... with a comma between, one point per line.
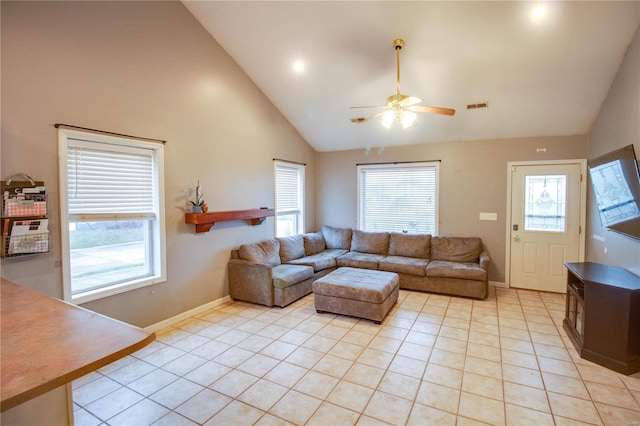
x=484, y=260
x=251, y=281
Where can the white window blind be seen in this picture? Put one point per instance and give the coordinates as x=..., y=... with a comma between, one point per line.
x=398, y=197
x=102, y=181
x=289, y=190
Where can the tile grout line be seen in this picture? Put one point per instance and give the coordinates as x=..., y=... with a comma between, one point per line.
x=392, y=321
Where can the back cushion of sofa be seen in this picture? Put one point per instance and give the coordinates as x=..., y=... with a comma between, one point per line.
x=313, y=243
x=267, y=252
x=337, y=238
x=291, y=248
x=456, y=249
x=410, y=245
x=370, y=242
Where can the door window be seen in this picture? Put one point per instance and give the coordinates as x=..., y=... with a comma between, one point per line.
x=545, y=203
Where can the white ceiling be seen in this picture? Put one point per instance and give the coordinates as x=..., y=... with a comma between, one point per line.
x=545, y=78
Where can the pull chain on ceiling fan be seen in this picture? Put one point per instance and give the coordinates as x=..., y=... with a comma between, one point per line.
x=401, y=108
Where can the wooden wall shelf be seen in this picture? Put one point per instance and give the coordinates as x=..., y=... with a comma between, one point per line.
x=204, y=221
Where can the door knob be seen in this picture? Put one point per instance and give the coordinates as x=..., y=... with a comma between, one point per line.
x=516, y=238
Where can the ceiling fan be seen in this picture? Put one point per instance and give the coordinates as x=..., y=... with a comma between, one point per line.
x=401, y=108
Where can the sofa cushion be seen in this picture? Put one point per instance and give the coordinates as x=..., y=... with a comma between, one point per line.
x=404, y=265
x=370, y=242
x=288, y=275
x=291, y=248
x=461, y=270
x=313, y=243
x=267, y=252
x=319, y=261
x=456, y=249
x=356, y=259
x=337, y=238
x=410, y=245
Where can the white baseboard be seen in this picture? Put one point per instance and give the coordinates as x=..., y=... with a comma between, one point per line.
x=188, y=314
x=498, y=284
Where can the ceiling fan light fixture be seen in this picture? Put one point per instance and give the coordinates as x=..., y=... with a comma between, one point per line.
x=402, y=117
x=408, y=119
x=387, y=118
x=400, y=107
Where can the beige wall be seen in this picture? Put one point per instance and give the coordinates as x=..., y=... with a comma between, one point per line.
x=150, y=69
x=473, y=179
x=618, y=125
x=147, y=69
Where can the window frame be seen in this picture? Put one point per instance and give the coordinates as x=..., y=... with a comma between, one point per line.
x=157, y=246
x=401, y=165
x=301, y=170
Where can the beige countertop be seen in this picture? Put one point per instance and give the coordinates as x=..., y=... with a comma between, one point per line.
x=46, y=343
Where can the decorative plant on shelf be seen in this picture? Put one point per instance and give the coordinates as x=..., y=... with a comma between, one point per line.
x=199, y=205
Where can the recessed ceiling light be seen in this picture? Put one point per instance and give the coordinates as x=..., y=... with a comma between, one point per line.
x=538, y=12
x=298, y=66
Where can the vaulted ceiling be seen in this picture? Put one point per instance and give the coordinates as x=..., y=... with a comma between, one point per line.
x=541, y=77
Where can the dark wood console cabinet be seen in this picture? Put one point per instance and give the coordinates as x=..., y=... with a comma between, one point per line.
x=602, y=316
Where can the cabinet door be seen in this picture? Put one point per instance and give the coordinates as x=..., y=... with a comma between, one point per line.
x=571, y=308
x=574, y=314
x=579, y=322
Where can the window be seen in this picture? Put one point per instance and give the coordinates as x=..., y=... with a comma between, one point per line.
x=289, y=179
x=545, y=203
x=112, y=214
x=398, y=197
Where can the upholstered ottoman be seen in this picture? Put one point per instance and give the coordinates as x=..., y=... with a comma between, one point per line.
x=362, y=293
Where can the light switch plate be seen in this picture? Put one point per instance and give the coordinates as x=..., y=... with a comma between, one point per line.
x=488, y=216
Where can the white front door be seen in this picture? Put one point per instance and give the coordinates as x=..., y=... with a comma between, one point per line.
x=547, y=211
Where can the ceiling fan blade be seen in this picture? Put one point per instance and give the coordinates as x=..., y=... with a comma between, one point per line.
x=372, y=106
x=431, y=109
x=409, y=101
x=360, y=120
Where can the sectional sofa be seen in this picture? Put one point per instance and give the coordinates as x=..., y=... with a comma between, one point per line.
x=281, y=270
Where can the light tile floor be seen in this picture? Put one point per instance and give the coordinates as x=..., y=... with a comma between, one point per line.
x=435, y=360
